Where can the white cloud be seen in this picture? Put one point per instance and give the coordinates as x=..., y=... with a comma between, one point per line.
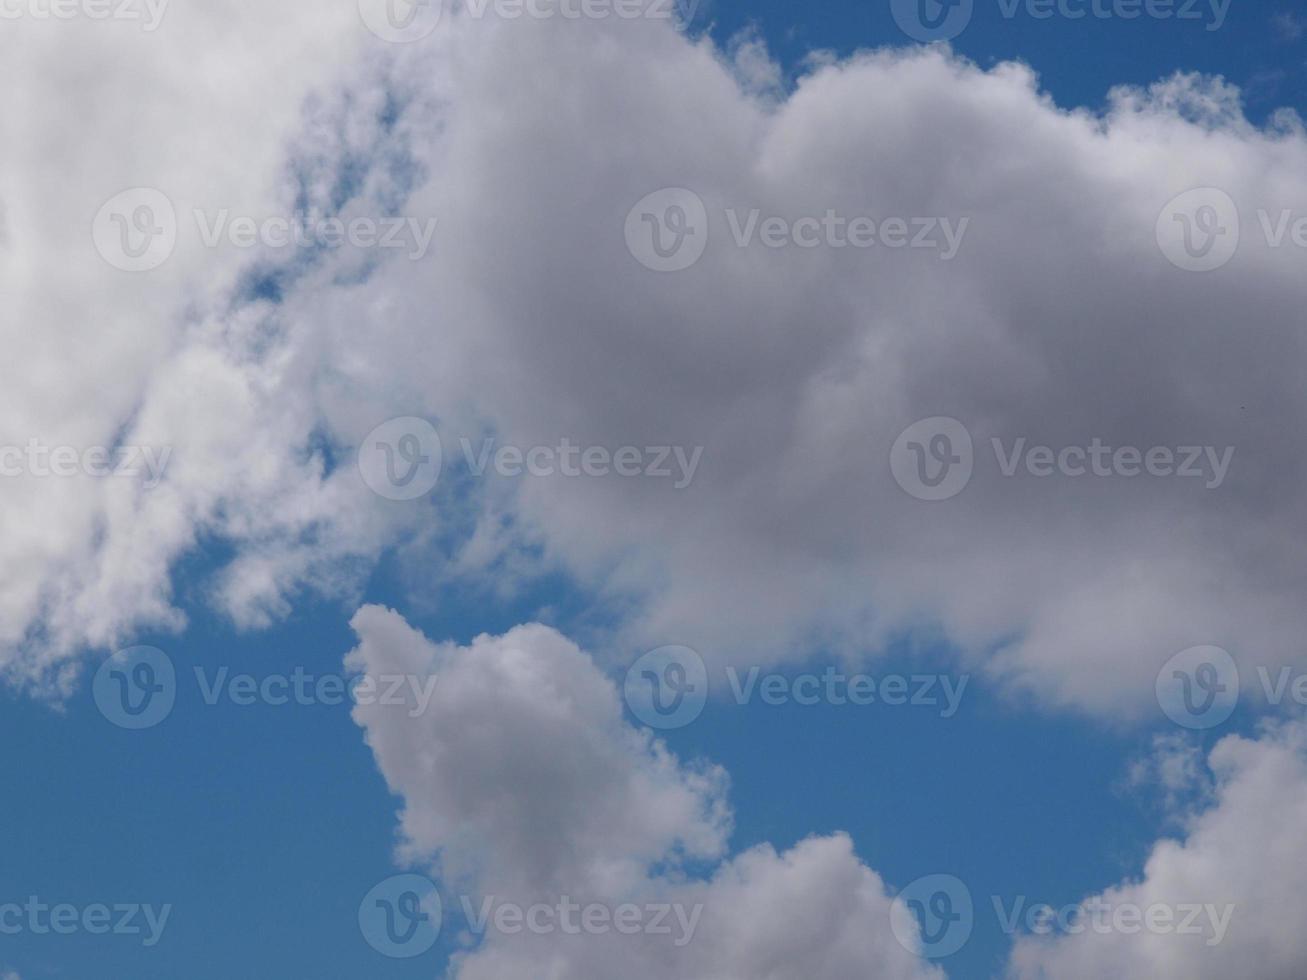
x=1245, y=852
x=523, y=767
x=1058, y=321
x=200, y=109
x=523, y=781
x=1288, y=26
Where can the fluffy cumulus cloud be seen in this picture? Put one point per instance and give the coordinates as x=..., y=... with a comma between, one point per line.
x=176, y=361
x=1241, y=860
x=1055, y=321
x=600, y=800
x=1058, y=323
x=522, y=781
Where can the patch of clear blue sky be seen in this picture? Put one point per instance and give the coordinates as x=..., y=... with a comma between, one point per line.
x=264, y=826
x=1261, y=45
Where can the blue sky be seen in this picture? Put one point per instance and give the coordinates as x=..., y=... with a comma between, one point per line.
x=1078, y=61
x=263, y=826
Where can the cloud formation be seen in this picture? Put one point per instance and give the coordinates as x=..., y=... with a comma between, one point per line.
x=1057, y=322
x=523, y=782
x=1245, y=854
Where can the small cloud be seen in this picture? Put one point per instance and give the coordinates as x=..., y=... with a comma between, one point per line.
x=1289, y=26
x=1264, y=86
x=1176, y=768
